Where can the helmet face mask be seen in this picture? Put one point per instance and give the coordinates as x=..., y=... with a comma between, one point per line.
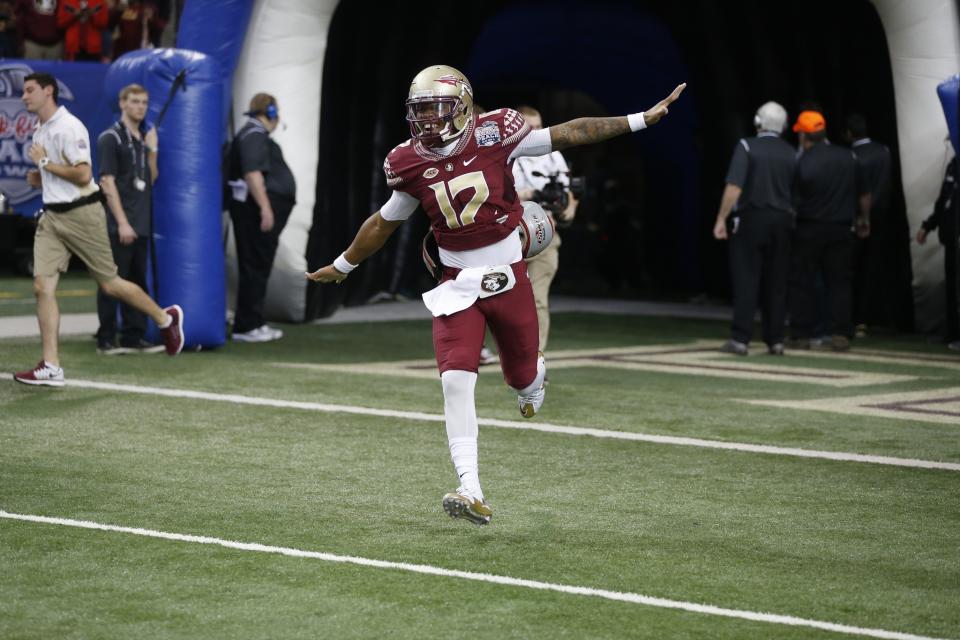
x=439, y=105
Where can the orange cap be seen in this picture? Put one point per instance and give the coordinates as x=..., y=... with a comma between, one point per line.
x=809, y=122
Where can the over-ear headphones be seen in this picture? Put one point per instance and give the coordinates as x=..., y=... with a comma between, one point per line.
x=271, y=112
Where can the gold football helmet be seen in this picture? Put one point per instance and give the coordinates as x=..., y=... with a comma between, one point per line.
x=439, y=105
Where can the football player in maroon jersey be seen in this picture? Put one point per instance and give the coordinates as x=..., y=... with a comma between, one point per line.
x=457, y=165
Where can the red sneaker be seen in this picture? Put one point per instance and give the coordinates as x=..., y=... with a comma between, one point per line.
x=42, y=374
x=173, y=335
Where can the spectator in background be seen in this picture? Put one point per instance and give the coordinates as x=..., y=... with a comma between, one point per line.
x=9, y=48
x=137, y=25
x=758, y=194
x=874, y=159
x=945, y=219
x=831, y=196
x=127, y=152
x=264, y=192
x=82, y=22
x=37, y=27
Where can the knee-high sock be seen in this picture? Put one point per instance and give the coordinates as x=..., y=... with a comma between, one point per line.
x=461, y=417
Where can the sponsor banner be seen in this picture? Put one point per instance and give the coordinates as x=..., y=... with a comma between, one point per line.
x=81, y=92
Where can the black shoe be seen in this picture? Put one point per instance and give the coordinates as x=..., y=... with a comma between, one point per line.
x=141, y=346
x=734, y=347
x=107, y=348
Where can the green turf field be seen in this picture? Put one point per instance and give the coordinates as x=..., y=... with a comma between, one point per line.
x=868, y=545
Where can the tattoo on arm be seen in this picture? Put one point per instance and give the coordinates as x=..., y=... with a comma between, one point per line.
x=587, y=131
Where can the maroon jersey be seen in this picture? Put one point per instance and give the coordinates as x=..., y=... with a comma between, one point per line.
x=468, y=194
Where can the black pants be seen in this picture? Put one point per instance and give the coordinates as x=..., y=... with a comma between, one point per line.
x=131, y=262
x=255, y=253
x=827, y=246
x=950, y=259
x=759, y=259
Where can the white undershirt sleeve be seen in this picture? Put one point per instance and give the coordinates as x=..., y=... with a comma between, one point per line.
x=400, y=206
x=535, y=143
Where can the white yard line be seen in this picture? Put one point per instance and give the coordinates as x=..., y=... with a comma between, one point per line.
x=511, y=424
x=633, y=598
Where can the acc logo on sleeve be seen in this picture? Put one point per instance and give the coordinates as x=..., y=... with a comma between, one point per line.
x=16, y=133
x=487, y=134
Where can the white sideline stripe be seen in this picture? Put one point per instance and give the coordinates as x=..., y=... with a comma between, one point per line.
x=634, y=598
x=529, y=426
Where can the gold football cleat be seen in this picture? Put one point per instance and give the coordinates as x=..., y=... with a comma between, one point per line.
x=462, y=505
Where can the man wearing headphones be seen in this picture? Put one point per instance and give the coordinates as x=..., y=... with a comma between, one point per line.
x=758, y=193
x=263, y=194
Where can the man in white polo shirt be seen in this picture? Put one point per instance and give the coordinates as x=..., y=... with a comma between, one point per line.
x=73, y=222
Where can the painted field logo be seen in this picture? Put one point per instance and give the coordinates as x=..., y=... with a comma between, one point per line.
x=16, y=133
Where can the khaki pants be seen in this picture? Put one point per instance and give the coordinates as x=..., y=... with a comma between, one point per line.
x=541, y=269
x=81, y=232
x=34, y=51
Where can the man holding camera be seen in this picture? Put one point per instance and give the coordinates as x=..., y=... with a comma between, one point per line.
x=544, y=179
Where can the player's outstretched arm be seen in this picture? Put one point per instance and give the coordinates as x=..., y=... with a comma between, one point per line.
x=372, y=235
x=589, y=130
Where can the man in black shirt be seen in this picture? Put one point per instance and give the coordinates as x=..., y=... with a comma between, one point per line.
x=830, y=196
x=127, y=154
x=264, y=192
x=759, y=181
x=874, y=159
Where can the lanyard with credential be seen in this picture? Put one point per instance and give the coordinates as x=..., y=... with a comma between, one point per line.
x=139, y=159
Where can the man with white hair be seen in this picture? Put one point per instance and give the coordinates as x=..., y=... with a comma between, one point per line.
x=758, y=195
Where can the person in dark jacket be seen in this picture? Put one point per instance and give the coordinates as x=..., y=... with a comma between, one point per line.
x=944, y=219
x=874, y=158
x=831, y=198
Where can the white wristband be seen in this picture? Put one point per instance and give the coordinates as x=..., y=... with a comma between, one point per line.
x=341, y=264
x=636, y=121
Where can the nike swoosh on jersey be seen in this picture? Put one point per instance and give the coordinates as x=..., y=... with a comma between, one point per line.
x=466, y=162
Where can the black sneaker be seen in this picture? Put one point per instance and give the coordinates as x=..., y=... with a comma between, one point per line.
x=107, y=348
x=142, y=346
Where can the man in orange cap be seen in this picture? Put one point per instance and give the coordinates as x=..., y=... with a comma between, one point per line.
x=831, y=196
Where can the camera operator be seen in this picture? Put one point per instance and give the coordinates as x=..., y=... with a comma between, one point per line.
x=544, y=179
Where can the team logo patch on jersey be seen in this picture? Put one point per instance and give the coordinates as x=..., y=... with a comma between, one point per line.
x=431, y=173
x=448, y=166
x=494, y=282
x=487, y=134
